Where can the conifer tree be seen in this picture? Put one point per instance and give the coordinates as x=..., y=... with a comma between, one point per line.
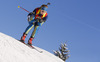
x=63, y=52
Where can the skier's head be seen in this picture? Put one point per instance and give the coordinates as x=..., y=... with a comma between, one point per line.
x=44, y=7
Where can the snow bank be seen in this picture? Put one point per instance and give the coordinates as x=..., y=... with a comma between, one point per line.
x=11, y=50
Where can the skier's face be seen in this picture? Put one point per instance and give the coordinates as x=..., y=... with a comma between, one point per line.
x=43, y=12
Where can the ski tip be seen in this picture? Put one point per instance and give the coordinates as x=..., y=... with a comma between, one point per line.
x=18, y=6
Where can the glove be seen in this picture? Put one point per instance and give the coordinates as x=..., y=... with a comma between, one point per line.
x=41, y=21
x=38, y=18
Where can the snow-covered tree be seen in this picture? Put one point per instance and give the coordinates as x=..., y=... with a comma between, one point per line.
x=63, y=52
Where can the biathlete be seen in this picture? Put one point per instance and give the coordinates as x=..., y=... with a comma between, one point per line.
x=35, y=19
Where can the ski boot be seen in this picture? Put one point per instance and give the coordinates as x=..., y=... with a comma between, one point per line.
x=23, y=38
x=30, y=42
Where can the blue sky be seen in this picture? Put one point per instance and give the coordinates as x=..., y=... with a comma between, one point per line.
x=75, y=21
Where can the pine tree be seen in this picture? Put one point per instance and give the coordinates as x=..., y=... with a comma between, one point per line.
x=63, y=52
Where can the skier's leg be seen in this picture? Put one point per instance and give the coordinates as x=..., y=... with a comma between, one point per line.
x=28, y=28
x=36, y=28
x=26, y=32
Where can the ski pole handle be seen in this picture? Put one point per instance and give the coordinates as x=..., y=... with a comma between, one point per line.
x=23, y=9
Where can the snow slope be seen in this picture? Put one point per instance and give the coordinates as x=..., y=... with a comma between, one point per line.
x=11, y=50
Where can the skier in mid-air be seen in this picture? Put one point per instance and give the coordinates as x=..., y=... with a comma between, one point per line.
x=35, y=19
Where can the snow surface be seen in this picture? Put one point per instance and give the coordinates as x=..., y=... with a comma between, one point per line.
x=11, y=50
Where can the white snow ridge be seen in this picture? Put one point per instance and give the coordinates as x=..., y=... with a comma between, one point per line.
x=11, y=50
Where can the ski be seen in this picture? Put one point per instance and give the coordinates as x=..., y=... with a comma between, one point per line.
x=32, y=47
x=38, y=50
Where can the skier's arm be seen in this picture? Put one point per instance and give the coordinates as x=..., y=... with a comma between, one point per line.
x=31, y=15
x=34, y=11
x=43, y=20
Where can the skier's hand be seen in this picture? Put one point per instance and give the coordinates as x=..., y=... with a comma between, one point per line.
x=38, y=18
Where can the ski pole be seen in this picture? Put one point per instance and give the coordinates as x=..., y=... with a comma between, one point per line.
x=23, y=9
